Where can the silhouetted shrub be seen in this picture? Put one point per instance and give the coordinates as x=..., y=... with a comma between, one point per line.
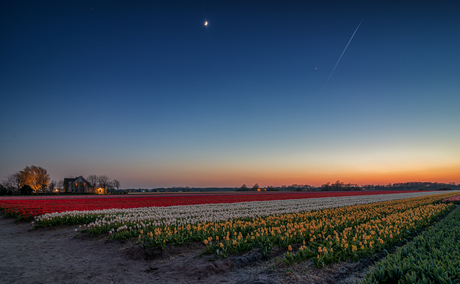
x=26, y=190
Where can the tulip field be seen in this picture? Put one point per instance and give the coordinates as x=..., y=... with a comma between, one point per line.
x=25, y=208
x=321, y=227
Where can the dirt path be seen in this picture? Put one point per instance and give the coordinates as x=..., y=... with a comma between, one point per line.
x=53, y=255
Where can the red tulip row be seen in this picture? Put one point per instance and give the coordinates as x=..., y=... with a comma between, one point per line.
x=454, y=199
x=26, y=209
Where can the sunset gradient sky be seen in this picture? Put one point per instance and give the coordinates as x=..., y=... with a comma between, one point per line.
x=145, y=93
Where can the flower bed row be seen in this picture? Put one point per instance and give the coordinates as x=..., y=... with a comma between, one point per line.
x=432, y=257
x=28, y=208
x=453, y=199
x=114, y=219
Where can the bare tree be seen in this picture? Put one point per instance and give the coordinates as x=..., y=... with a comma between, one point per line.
x=18, y=180
x=110, y=186
x=52, y=186
x=9, y=182
x=92, y=179
x=60, y=184
x=103, y=181
x=117, y=184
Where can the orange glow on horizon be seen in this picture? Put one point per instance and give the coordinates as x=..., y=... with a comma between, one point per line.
x=224, y=177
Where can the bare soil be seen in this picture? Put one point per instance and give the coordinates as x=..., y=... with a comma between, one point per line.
x=55, y=255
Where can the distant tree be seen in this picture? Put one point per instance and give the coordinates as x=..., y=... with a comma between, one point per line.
x=3, y=190
x=110, y=186
x=243, y=188
x=9, y=182
x=26, y=190
x=116, y=184
x=326, y=186
x=92, y=179
x=255, y=187
x=60, y=184
x=52, y=186
x=103, y=181
x=42, y=178
x=337, y=186
x=35, y=177
x=272, y=188
x=26, y=177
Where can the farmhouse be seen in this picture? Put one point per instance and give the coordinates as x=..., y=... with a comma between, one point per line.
x=77, y=185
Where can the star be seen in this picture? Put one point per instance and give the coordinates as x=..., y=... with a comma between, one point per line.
x=205, y=23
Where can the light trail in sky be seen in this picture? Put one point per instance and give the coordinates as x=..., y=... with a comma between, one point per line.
x=341, y=56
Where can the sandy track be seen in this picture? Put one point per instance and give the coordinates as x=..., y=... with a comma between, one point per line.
x=53, y=255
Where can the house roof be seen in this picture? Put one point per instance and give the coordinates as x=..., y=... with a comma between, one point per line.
x=71, y=180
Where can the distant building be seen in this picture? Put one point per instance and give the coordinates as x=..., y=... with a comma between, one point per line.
x=79, y=185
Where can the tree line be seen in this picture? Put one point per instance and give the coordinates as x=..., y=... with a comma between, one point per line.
x=31, y=179
x=36, y=180
x=341, y=186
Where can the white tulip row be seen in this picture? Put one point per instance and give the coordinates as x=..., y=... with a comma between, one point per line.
x=139, y=218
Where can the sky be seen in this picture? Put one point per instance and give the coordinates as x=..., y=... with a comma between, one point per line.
x=146, y=93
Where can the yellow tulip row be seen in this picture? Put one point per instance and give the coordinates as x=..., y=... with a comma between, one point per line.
x=330, y=234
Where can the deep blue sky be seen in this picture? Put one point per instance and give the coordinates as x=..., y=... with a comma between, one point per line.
x=147, y=94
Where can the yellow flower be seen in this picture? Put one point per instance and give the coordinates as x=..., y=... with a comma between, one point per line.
x=221, y=245
x=205, y=242
x=289, y=248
